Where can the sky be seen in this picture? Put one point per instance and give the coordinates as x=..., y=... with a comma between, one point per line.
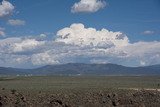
x=35, y=33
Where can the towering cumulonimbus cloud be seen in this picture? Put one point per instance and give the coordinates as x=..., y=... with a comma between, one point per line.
x=6, y=8
x=88, y=6
x=77, y=34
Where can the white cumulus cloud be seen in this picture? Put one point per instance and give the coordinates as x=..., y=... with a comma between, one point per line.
x=16, y=45
x=44, y=58
x=88, y=6
x=6, y=8
x=77, y=34
x=27, y=44
x=16, y=22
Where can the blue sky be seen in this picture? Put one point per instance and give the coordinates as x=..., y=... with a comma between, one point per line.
x=131, y=17
x=35, y=33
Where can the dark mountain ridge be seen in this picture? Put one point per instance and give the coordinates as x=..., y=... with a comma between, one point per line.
x=84, y=69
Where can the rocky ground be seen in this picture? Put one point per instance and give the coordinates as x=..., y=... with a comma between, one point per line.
x=109, y=98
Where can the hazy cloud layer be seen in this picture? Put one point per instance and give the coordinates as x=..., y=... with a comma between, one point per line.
x=78, y=44
x=148, y=32
x=6, y=8
x=16, y=22
x=2, y=33
x=88, y=6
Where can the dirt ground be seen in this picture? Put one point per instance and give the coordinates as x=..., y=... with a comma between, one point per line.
x=119, y=98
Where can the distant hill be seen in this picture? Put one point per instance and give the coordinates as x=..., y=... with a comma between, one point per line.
x=13, y=71
x=84, y=69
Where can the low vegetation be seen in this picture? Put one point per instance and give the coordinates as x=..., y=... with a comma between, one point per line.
x=82, y=91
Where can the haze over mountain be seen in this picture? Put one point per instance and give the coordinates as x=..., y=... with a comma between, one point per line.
x=84, y=69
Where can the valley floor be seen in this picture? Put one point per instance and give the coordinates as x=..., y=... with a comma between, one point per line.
x=80, y=91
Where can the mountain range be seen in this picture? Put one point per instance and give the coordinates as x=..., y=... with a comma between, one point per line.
x=84, y=69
